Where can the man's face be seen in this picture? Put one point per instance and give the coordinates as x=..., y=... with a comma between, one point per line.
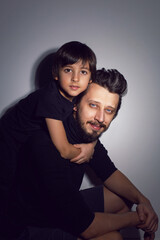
x=96, y=110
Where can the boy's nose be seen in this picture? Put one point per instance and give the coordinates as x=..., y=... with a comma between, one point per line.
x=75, y=77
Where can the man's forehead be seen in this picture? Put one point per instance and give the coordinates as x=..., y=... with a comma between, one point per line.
x=100, y=94
x=95, y=90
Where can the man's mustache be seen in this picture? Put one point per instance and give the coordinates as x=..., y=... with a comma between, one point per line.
x=96, y=123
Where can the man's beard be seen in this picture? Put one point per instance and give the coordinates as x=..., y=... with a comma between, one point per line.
x=88, y=137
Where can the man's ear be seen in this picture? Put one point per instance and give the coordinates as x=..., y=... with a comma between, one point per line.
x=90, y=81
x=56, y=78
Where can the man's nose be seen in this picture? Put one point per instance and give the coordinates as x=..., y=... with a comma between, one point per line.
x=75, y=77
x=99, y=116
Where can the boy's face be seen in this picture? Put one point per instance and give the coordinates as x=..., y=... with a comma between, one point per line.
x=73, y=79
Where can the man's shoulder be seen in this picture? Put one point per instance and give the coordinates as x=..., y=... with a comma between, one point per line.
x=100, y=147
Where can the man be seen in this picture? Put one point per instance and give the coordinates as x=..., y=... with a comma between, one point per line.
x=46, y=192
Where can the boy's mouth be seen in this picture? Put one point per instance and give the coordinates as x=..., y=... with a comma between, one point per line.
x=74, y=87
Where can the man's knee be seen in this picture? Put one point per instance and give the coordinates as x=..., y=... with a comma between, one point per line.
x=114, y=236
x=115, y=204
x=108, y=236
x=111, y=236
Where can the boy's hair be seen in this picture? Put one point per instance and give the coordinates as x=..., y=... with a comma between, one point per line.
x=112, y=80
x=71, y=53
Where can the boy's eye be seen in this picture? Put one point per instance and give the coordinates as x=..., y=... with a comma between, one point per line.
x=66, y=70
x=84, y=72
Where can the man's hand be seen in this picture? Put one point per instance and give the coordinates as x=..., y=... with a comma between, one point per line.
x=148, y=218
x=148, y=236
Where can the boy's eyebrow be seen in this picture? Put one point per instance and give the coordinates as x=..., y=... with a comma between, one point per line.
x=82, y=67
x=85, y=67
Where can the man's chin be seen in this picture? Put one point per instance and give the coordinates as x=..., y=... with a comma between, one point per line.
x=91, y=136
x=87, y=133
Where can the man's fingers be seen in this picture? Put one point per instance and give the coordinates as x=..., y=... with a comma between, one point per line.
x=148, y=236
x=150, y=225
x=141, y=215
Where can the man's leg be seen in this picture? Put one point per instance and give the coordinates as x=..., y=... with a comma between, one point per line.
x=98, y=199
x=108, y=236
x=115, y=204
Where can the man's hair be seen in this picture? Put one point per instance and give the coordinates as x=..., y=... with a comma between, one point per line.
x=71, y=53
x=112, y=80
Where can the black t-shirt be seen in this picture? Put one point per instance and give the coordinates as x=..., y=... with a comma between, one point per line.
x=28, y=114
x=46, y=192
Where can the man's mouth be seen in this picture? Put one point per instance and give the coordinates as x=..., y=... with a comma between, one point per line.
x=96, y=126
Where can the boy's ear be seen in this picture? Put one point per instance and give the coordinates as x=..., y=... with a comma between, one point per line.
x=90, y=81
x=75, y=108
x=56, y=78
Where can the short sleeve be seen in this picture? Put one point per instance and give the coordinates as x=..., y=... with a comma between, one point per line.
x=101, y=162
x=51, y=104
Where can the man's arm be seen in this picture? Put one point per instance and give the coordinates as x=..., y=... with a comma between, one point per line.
x=121, y=185
x=105, y=222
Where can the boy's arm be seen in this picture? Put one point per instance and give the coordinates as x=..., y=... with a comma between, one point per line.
x=59, y=139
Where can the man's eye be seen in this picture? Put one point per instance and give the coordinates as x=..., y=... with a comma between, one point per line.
x=109, y=111
x=92, y=105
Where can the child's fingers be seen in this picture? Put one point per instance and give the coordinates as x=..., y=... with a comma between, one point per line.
x=77, y=145
x=74, y=159
x=79, y=157
x=80, y=161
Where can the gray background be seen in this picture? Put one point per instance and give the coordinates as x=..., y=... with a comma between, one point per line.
x=124, y=34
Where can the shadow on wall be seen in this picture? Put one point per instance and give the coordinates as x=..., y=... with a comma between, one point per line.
x=42, y=70
x=41, y=74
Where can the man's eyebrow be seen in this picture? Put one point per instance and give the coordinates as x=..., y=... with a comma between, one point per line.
x=90, y=100
x=111, y=107
x=94, y=101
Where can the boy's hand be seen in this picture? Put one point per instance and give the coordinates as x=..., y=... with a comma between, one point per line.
x=87, y=151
